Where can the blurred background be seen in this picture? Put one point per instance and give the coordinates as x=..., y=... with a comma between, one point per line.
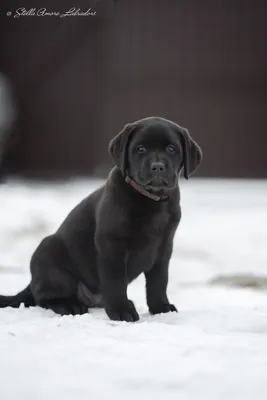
x=68, y=85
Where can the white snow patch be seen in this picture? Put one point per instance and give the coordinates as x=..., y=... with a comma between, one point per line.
x=215, y=348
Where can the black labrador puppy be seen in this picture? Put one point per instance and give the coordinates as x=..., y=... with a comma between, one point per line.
x=123, y=229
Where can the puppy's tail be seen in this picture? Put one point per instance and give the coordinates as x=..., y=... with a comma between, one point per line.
x=25, y=296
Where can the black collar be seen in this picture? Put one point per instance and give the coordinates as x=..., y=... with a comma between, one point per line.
x=144, y=192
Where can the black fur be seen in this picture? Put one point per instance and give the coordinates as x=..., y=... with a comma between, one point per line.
x=117, y=233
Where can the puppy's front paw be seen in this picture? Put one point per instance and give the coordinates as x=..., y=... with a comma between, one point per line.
x=163, y=308
x=123, y=312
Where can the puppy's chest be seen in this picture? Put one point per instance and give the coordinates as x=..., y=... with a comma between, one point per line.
x=146, y=237
x=143, y=226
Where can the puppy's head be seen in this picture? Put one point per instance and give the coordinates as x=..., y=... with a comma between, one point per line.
x=153, y=151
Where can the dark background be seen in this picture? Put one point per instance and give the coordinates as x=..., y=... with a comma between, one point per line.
x=78, y=80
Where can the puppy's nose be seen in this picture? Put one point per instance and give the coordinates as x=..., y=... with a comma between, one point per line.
x=157, y=167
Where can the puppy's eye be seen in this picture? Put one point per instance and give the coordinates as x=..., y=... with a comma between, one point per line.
x=141, y=149
x=170, y=148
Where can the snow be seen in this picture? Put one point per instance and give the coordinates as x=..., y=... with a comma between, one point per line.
x=215, y=348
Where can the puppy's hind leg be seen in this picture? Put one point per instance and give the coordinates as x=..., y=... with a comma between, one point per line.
x=52, y=286
x=56, y=290
x=68, y=306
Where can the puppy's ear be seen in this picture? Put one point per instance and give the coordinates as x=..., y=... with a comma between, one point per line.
x=118, y=147
x=192, y=153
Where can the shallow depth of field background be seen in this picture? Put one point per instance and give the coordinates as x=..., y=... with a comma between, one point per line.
x=67, y=86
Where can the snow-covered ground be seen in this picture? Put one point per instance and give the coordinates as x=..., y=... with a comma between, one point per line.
x=215, y=348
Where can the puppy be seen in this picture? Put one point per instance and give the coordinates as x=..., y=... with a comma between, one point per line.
x=123, y=229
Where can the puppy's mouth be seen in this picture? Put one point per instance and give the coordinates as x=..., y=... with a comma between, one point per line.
x=157, y=182
x=157, y=185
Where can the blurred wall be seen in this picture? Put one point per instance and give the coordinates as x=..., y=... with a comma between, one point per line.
x=80, y=79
